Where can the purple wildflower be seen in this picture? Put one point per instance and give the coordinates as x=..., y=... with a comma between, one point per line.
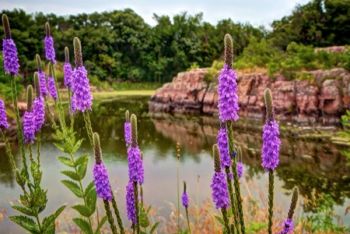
x=219, y=190
x=39, y=112
x=240, y=169
x=223, y=148
x=271, y=145
x=101, y=180
x=136, y=172
x=11, y=62
x=185, y=199
x=3, y=117
x=81, y=89
x=52, y=87
x=68, y=74
x=288, y=226
x=49, y=49
x=228, y=98
x=127, y=133
x=130, y=202
x=42, y=83
x=29, y=127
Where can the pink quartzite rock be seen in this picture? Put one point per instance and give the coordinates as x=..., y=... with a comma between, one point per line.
x=323, y=99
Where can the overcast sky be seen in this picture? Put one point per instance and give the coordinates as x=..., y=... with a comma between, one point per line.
x=256, y=12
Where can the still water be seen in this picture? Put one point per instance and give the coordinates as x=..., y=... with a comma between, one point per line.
x=317, y=168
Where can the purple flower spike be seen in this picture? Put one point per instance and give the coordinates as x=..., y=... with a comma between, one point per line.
x=81, y=89
x=39, y=112
x=68, y=74
x=127, y=133
x=136, y=172
x=219, y=191
x=228, y=98
x=42, y=84
x=101, y=180
x=223, y=148
x=240, y=169
x=130, y=202
x=10, y=56
x=288, y=227
x=29, y=127
x=271, y=145
x=52, y=87
x=49, y=49
x=185, y=199
x=3, y=117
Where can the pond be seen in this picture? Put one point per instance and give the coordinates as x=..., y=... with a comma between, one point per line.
x=317, y=168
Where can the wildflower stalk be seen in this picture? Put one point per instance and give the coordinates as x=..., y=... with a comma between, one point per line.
x=185, y=204
x=8, y=150
x=19, y=125
x=227, y=79
x=224, y=215
x=110, y=217
x=220, y=198
x=136, y=195
x=117, y=214
x=271, y=186
x=178, y=184
x=134, y=134
x=235, y=177
x=270, y=151
x=233, y=201
x=88, y=126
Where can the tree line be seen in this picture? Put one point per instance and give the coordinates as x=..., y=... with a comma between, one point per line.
x=120, y=46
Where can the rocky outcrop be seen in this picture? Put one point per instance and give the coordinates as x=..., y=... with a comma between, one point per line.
x=322, y=99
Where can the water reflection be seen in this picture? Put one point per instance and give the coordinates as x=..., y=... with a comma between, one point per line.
x=316, y=167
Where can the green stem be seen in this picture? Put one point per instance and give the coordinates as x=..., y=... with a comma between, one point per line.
x=19, y=125
x=117, y=214
x=38, y=222
x=178, y=194
x=235, y=177
x=137, y=207
x=38, y=144
x=110, y=217
x=30, y=152
x=88, y=127
x=271, y=186
x=188, y=220
x=8, y=151
x=224, y=215
x=233, y=202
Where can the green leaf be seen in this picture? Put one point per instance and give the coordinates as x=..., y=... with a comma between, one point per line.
x=81, y=159
x=83, y=225
x=91, y=199
x=77, y=146
x=48, y=224
x=23, y=210
x=60, y=147
x=144, y=222
x=25, y=222
x=83, y=210
x=71, y=174
x=90, y=186
x=154, y=227
x=66, y=161
x=82, y=167
x=72, y=186
x=102, y=221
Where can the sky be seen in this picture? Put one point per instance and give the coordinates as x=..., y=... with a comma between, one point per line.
x=256, y=12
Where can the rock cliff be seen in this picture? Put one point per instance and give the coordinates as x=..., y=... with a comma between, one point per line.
x=322, y=99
